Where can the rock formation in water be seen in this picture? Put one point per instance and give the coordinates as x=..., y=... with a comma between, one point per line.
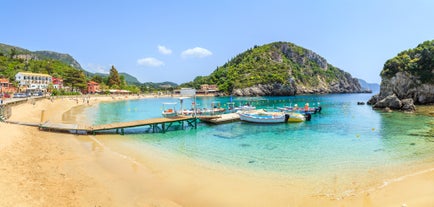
x=407, y=79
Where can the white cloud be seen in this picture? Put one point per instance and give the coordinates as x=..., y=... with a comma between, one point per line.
x=96, y=68
x=150, y=61
x=164, y=50
x=196, y=52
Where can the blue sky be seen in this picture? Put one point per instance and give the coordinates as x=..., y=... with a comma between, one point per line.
x=169, y=40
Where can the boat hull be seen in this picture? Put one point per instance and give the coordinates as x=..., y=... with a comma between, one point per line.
x=272, y=117
x=169, y=114
x=267, y=119
x=295, y=118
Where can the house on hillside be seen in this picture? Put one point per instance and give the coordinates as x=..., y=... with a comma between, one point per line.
x=6, y=86
x=33, y=81
x=57, y=83
x=92, y=87
x=207, y=89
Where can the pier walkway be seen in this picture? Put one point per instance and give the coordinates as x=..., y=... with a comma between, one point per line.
x=156, y=125
x=220, y=119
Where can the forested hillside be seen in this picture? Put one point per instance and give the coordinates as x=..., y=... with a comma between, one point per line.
x=283, y=68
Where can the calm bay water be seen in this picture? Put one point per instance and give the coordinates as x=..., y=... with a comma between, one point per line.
x=345, y=140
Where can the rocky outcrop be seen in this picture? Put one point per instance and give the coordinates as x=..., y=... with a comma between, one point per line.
x=391, y=102
x=266, y=90
x=406, y=88
x=308, y=55
x=408, y=105
x=409, y=77
x=345, y=84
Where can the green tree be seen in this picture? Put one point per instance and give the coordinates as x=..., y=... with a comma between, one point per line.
x=76, y=80
x=132, y=89
x=418, y=61
x=123, y=83
x=50, y=87
x=13, y=53
x=97, y=79
x=114, y=81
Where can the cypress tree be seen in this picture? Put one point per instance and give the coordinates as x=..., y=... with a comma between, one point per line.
x=114, y=81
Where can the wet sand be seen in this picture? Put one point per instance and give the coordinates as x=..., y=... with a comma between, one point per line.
x=54, y=169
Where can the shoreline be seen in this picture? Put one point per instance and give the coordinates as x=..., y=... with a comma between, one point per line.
x=86, y=171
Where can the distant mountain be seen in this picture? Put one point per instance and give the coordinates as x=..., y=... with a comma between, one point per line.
x=279, y=69
x=374, y=87
x=166, y=84
x=14, y=59
x=128, y=78
x=65, y=58
x=7, y=50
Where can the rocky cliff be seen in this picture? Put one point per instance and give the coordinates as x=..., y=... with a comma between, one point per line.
x=279, y=69
x=407, y=79
x=344, y=85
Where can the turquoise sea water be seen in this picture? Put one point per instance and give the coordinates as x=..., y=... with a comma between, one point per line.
x=345, y=140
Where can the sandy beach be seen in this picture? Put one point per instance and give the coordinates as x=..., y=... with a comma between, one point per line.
x=40, y=168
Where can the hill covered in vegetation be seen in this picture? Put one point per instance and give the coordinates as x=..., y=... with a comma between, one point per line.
x=279, y=68
x=407, y=78
x=418, y=62
x=21, y=53
x=15, y=59
x=12, y=64
x=128, y=78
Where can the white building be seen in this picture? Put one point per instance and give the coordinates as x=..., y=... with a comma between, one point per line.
x=33, y=81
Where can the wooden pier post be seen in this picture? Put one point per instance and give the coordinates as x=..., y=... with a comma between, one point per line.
x=42, y=116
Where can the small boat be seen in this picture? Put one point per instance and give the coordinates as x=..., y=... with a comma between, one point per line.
x=211, y=111
x=265, y=118
x=188, y=112
x=303, y=110
x=296, y=117
x=170, y=111
x=261, y=116
x=246, y=107
x=233, y=109
x=215, y=109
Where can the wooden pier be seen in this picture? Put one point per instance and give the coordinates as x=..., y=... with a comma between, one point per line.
x=156, y=125
x=221, y=119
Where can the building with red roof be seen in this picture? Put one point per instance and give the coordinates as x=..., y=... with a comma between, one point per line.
x=92, y=87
